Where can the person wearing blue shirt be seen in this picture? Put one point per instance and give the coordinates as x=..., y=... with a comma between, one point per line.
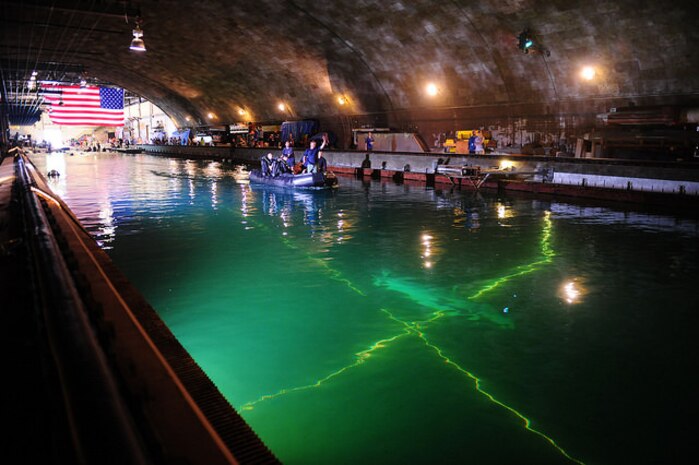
x=310, y=156
x=288, y=150
x=369, y=141
x=472, y=143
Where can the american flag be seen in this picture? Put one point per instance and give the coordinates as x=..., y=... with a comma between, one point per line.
x=85, y=106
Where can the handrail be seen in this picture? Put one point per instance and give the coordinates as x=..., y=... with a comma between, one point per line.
x=100, y=427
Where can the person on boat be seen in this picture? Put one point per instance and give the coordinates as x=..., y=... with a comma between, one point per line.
x=310, y=157
x=322, y=165
x=283, y=165
x=288, y=151
x=268, y=165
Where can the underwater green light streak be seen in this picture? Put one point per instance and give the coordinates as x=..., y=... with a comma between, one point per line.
x=414, y=328
x=417, y=328
x=360, y=358
x=477, y=383
x=546, y=251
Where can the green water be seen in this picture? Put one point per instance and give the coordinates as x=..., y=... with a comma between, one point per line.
x=394, y=324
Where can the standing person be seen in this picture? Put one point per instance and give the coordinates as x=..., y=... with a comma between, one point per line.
x=479, y=143
x=472, y=143
x=369, y=142
x=310, y=157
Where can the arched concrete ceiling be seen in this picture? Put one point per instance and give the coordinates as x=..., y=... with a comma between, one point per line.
x=221, y=56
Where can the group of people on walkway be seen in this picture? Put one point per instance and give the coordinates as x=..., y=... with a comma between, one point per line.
x=312, y=161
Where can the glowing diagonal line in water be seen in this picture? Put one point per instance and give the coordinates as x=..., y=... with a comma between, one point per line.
x=361, y=357
x=546, y=251
x=335, y=274
x=414, y=329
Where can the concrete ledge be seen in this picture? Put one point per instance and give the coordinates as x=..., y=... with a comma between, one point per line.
x=680, y=178
x=193, y=422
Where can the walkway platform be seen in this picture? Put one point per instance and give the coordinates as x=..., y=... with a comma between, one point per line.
x=97, y=377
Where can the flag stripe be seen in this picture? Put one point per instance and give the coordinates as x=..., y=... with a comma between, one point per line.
x=85, y=106
x=87, y=112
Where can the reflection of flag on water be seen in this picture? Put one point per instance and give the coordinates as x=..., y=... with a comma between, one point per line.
x=85, y=106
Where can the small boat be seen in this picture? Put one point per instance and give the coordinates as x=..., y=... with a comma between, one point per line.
x=295, y=180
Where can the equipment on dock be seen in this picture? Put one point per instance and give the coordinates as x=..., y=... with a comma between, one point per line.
x=477, y=176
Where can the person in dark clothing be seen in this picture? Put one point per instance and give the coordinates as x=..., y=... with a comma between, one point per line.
x=283, y=165
x=322, y=165
x=267, y=165
x=366, y=163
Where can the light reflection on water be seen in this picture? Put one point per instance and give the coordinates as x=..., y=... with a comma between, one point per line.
x=387, y=323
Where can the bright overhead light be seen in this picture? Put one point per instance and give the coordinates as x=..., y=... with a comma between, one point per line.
x=211, y=115
x=241, y=111
x=588, y=73
x=432, y=89
x=281, y=107
x=342, y=100
x=137, y=43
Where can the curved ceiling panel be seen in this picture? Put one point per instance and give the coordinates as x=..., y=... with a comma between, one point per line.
x=223, y=57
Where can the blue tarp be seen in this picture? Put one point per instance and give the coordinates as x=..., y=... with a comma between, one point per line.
x=298, y=129
x=183, y=135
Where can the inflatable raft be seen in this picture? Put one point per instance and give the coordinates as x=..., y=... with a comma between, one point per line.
x=303, y=180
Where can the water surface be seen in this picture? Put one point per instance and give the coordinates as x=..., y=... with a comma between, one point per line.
x=383, y=323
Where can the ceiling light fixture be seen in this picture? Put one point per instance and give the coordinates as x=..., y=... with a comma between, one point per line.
x=588, y=73
x=432, y=89
x=526, y=43
x=32, y=81
x=137, y=43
